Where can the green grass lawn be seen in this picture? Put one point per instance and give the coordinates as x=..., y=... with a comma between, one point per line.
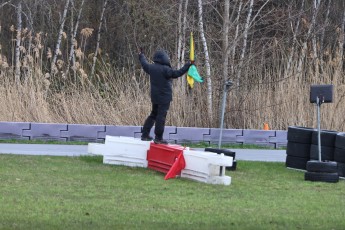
x=43, y=192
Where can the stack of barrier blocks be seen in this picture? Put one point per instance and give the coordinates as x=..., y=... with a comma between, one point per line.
x=200, y=166
x=177, y=135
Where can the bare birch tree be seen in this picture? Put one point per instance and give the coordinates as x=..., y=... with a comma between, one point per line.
x=245, y=37
x=98, y=38
x=207, y=61
x=226, y=22
x=18, y=41
x=233, y=50
x=179, y=34
x=74, y=29
x=58, y=42
x=181, y=47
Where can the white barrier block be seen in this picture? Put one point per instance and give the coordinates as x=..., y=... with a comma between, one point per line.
x=206, y=167
x=224, y=180
x=120, y=160
x=126, y=151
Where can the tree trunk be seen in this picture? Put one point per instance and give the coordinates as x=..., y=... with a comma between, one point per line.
x=74, y=29
x=58, y=42
x=245, y=37
x=207, y=61
x=226, y=49
x=233, y=53
x=179, y=35
x=181, y=47
x=98, y=39
x=18, y=42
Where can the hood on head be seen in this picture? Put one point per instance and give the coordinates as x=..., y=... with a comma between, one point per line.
x=161, y=57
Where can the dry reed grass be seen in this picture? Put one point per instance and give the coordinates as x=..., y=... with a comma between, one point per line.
x=277, y=95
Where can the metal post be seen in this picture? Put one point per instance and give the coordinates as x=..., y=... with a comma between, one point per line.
x=318, y=104
x=227, y=86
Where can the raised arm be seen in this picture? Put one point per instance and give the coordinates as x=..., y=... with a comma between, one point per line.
x=178, y=73
x=144, y=62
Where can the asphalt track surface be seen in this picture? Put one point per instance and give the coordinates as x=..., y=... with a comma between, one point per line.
x=80, y=150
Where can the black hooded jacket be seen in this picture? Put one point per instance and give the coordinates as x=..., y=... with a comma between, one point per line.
x=161, y=75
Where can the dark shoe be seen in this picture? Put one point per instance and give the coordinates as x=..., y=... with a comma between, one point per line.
x=160, y=141
x=148, y=138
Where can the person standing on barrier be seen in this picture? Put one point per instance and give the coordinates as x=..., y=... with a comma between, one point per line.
x=161, y=75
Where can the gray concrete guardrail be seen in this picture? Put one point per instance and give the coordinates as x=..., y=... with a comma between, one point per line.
x=97, y=133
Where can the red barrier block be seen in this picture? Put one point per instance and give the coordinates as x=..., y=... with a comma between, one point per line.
x=162, y=157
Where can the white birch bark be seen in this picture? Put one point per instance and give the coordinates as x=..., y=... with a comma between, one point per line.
x=18, y=42
x=233, y=53
x=5, y=3
x=98, y=39
x=207, y=60
x=181, y=46
x=74, y=29
x=58, y=42
x=226, y=22
x=315, y=53
x=179, y=34
x=245, y=37
x=184, y=28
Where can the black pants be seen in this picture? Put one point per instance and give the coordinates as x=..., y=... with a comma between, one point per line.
x=158, y=116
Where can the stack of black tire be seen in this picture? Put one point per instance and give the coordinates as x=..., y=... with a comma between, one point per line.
x=339, y=154
x=226, y=152
x=325, y=170
x=303, y=153
x=298, y=147
x=327, y=145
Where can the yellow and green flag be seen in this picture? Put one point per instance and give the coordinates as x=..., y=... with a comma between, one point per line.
x=192, y=74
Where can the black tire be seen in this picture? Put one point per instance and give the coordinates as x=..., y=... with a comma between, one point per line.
x=327, y=137
x=327, y=153
x=299, y=134
x=339, y=155
x=298, y=149
x=296, y=162
x=340, y=141
x=233, y=167
x=323, y=167
x=321, y=177
x=341, y=169
x=226, y=152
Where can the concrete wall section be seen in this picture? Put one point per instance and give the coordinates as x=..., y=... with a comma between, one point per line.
x=97, y=133
x=126, y=131
x=45, y=131
x=189, y=135
x=257, y=137
x=80, y=132
x=229, y=136
x=280, y=139
x=13, y=130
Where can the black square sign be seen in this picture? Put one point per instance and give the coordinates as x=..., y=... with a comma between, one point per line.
x=324, y=92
